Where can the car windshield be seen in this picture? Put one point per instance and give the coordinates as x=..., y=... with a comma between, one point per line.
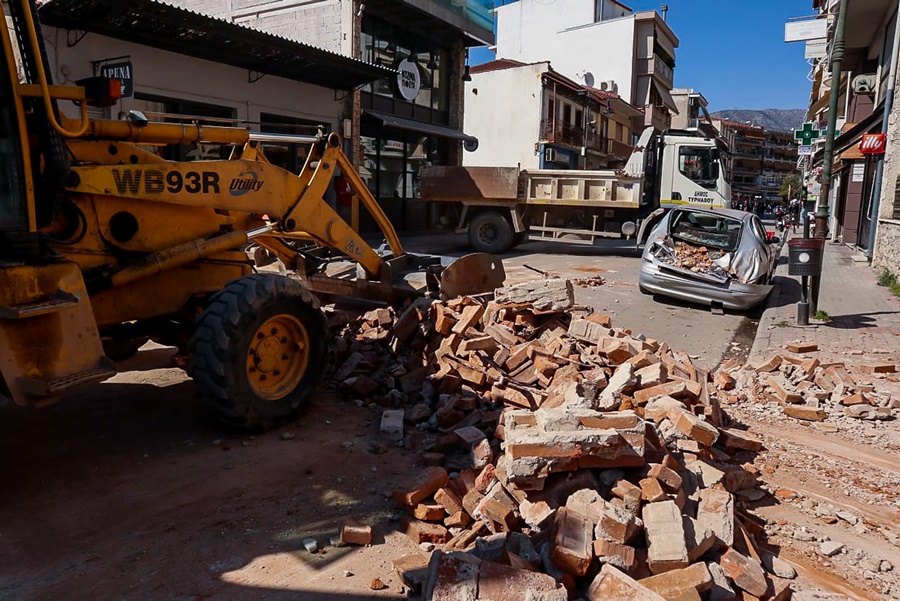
x=711, y=230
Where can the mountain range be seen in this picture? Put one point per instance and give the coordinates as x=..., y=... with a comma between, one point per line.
x=771, y=119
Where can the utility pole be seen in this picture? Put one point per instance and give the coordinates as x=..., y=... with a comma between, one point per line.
x=837, y=57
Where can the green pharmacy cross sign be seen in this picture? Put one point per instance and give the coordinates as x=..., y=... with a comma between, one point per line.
x=807, y=134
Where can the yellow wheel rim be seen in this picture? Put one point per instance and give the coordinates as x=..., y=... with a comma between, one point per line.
x=278, y=357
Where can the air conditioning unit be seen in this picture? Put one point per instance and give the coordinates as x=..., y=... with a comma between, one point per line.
x=549, y=155
x=864, y=84
x=609, y=86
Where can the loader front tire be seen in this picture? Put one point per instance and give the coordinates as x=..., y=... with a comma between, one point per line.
x=257, y=352
x=490, y=232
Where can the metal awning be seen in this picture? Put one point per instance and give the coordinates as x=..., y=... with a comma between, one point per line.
x=664, y=95
x=166, y=27
x=419, y=127
x=852, y=135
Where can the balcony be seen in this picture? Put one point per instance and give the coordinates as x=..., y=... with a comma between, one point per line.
x=662, y=69
x=618, y=149
x=556, y=131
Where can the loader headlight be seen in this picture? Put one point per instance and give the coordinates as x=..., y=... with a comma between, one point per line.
x=629, y=228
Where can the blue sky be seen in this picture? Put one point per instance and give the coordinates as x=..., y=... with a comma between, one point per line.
x=732, y=51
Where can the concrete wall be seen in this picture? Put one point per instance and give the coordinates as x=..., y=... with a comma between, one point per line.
x=506, y=137
x=171, y=75
x=564, y=33
x=887, y=238
x=326, y=24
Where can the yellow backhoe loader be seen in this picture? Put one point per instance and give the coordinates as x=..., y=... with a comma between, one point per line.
x=103, y=243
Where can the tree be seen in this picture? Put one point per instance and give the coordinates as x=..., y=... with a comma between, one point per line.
x=790, y=187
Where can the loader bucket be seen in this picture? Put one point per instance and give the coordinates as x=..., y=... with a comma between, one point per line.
x=476, y=273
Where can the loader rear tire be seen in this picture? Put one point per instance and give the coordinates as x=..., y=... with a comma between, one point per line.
x=257, y=352
x=490, y=232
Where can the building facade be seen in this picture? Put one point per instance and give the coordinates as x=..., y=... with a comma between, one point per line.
x=757, y=162
x=397, y=124
x=596, y=41
x=558, y=123
x=861, y=89
x=692, y=114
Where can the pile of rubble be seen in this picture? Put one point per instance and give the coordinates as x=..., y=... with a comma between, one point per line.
x=805, y=388
x=568, y=458
x=698, y=259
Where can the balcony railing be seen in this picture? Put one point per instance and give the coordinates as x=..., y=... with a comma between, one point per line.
x=618, y=149
x=560, y=132
x=660, y=67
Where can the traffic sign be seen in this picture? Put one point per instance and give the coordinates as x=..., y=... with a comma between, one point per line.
x=873, y=143
x=806, y=134
x=805, y=151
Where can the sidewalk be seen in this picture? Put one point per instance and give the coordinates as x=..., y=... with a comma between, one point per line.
x=864, y=317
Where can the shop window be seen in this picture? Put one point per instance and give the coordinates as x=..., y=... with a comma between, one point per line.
x=184, y=111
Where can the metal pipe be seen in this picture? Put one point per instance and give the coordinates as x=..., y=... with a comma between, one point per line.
x=284, y=138
x=165, y=133
x=178, y=255
x=260, y=231
x=879, y=169
x=837, y=57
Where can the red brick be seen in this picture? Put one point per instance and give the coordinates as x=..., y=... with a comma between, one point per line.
x=675, y=389
x=855, y=399
x=652, y=491
x=616, y=524
x=676, y=583
x=447, y=499
x=613, y=584
x=430, y=512
x=460, y=519
x=652, y=375
x=424, y=532
x=805, y=412
x=771, y=365
x=803, y=347
x=782, y=389
x=443, y=319
x=412, y=569
x=616, y=554
x=878, y=368
x=723, y=380
x=744, y=572
x=470, y=316
x=571, y=550
x=427, y=483
x=504, y=583
x=694, y=427
x=480, y=343
x=667, y=477
x=740, y=439
x=838, y=374
x=355, y=533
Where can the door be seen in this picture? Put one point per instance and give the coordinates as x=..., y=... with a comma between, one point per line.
x=692, y=176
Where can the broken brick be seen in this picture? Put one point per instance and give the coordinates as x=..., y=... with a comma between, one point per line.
x=745, y=573
x=805, y=412
x=878, y=368
x=571, y=549
x=425, y=532
x=676, y=584
x=715, y=512
x=803, y=347
x=427, y=483
x=430, y=512
x=612, y=583
x=615, y=554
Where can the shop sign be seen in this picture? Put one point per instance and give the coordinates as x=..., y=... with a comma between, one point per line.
x=408, y=80
x=859, y=172
x=873, y=143
x=804, y=151
x=124, y=72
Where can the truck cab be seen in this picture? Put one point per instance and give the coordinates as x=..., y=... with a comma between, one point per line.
x=680, y=168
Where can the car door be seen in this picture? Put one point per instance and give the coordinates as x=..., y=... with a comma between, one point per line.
x=759, y=232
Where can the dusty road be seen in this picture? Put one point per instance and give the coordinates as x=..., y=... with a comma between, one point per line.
x=126, y=491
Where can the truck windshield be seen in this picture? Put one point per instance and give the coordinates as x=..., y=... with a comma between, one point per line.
x=698, y=165
x=711, y=230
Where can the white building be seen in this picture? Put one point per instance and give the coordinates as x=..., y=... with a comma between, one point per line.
x=596, y=41
x=531, y=116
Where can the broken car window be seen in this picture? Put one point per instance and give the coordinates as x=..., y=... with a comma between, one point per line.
x=705, y=229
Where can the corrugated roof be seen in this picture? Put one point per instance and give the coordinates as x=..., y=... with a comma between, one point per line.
x=166, y=27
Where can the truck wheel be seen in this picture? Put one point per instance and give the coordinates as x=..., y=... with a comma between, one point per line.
x=490, y=232
x=257, y=351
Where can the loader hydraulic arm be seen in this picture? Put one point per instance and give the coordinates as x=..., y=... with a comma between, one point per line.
x=250, y=184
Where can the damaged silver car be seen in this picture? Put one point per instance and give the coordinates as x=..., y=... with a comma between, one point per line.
x=723, y=258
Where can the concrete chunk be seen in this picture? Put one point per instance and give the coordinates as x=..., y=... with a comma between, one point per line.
x=716, y=513
x=666, y=549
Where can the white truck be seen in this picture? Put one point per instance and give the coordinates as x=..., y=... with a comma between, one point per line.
x=504, y=206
